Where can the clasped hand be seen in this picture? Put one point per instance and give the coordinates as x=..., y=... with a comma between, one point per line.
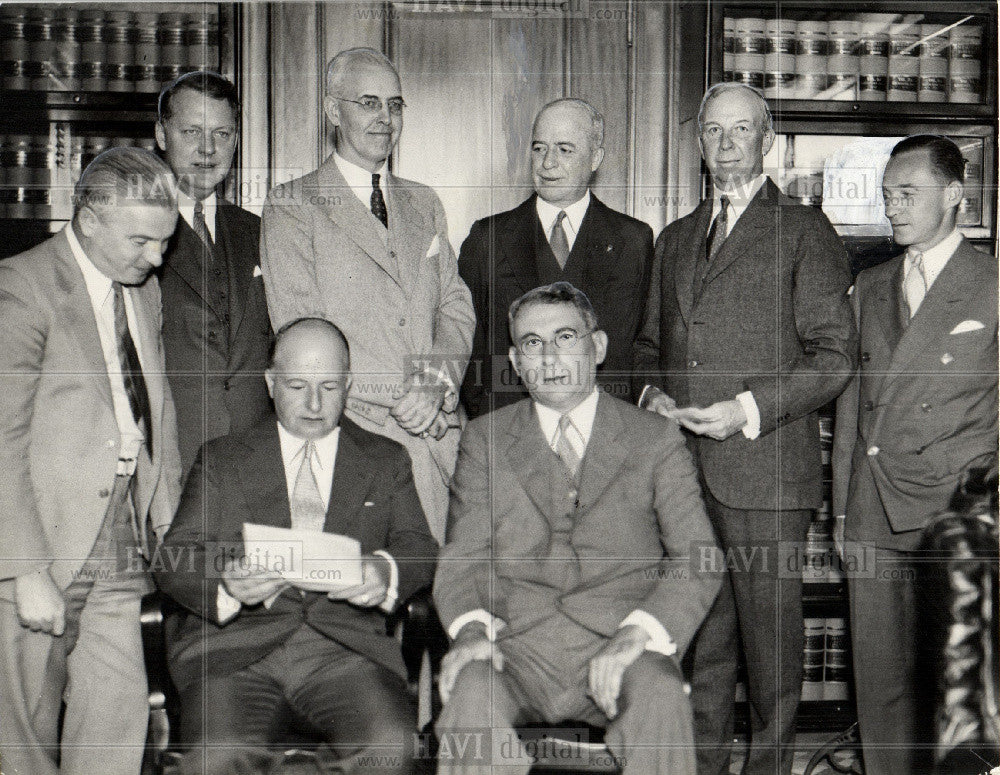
x=418, y=411
x=718, y=421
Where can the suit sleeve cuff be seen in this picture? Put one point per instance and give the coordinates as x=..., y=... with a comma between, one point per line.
x=493, y=625
x=752, y=429
x=659, y=639
x=647, y=393
x=392, y=593
x=226, y=606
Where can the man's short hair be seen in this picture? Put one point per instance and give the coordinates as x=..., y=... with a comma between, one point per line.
x=717, y=90
x=946, y=158
x=314, y=320
x=596, y=119
x=556, y=293
x=348, y=59
x=212, y=85
x=126, y=175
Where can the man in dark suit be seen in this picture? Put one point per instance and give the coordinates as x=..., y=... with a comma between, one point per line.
x=88, y=467
x=249, y=645
x=561, y=232
x=215, y=325
x=748, y=332
x=569, y=582
x=922, y=409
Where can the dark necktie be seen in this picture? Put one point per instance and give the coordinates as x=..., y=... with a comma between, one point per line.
x=128, y=358
x=378, y=201
x=718, y=232
x=558, y=241
x=201, y=228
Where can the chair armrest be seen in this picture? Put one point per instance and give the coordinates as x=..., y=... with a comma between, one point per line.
x=422, y=632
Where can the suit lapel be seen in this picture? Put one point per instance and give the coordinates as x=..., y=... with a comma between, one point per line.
x=232, y=245
x=690, y=257
x=185, y=260
x=262, y=478
x=352, y=216
x=940, y=310
x=744, y=239
x=519, y=245
x=77, y=312
x=530, y=456
x=606, y=452
x=407, y=232
x=352, y=479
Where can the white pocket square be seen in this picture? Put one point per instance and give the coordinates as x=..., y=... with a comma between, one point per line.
x=257, y=272
x=435, y=247
x=967, y=325
x=369, y=503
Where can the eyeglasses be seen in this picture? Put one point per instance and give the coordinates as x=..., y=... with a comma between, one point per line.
x=372, y=104
x=531, y=346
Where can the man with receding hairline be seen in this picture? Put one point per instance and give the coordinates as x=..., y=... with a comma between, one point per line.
x=369, y=250
x=250, y=645
x=921, y=410
x=89, y=469
x=561, y=232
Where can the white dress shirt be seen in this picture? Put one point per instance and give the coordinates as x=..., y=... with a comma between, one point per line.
x=185, y=206
x=102, y=302
x=936, y=258
x=322, y=463
x=582, y=416
x=548, y=212
x=359, y=180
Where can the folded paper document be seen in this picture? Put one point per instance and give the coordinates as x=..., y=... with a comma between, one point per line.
x=307, y=559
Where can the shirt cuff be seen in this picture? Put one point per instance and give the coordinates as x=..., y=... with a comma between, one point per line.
x=493, y=625
x=392, y=593
x=752, y=429
x=226, y=605
x=659, y=639
x=646, y=394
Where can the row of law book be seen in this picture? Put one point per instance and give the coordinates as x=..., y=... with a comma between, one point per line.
x=109, y=48
x=864, y=57
x=826, y=659
x=40, y=171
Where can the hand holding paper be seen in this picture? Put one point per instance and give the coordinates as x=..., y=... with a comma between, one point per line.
x=306, y=559
x=372, y=590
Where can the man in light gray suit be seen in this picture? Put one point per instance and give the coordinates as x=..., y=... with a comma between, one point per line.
x=369, y=251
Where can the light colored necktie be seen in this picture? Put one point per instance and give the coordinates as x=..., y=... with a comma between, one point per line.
x=558, y=241
x=915, y=281
x=565, y=448
x=201, y=228
x=308, y=512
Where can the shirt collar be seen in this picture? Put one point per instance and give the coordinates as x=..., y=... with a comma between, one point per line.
x=740, y=198
x=358, y=178
x=98, y=284
x=935, y=258
x=185, y=206
x=547, y=212
x=291, y=448
x=582, y=415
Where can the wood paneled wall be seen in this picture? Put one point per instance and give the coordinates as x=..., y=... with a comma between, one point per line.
x=473, y=83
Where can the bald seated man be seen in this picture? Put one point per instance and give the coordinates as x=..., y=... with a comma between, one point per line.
x=251, y=645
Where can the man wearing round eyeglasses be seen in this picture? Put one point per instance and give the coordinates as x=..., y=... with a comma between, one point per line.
x=566, y=584
x=369, y=251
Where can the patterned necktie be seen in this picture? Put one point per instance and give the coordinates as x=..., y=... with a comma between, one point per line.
x=565, y=448
x=308, y=512
x=915, y=282
x=128, y=359
x=718, y=232
x=201, y=228
x=378, y=202
x=558, y=241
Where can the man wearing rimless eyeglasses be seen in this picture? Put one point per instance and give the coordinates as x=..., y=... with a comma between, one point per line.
x=369, y=251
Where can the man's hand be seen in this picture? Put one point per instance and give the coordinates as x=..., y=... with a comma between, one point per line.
x=471, y=645
x=718, y=421
x=40, y=605
x=417, y=409
x=251, y=585
x=374, y=587
x=658, y=401
x=609, y=665
x=439, y=427
x=838, y=535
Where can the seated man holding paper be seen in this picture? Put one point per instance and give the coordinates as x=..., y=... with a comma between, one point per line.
x=292, y=541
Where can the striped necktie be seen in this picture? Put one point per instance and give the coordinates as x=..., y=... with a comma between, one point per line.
x=128, y=359
x=565, y=447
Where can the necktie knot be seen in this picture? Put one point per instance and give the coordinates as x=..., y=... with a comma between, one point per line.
x=201, y=227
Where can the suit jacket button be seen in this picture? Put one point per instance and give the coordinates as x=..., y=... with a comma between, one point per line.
x=110, y=443
x=866, y=357
x=693, y=364
x=225, y=384
x=402, y=321
x=869, y=405
x=104, y=493
x=873, y=451
x=926, y=407
x=392, y=253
